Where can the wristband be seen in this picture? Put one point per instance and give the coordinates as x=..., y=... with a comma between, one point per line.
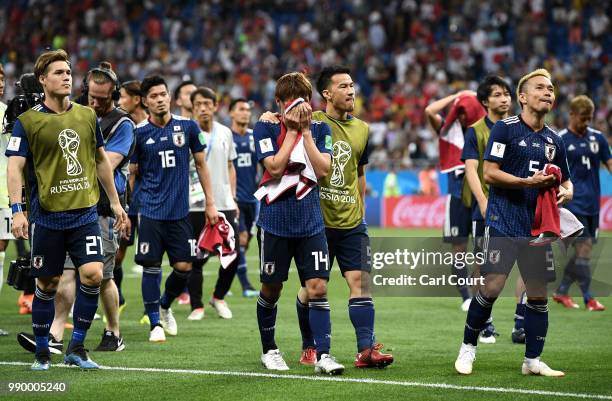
x=16, y=208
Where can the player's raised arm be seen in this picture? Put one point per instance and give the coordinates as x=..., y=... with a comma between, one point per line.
x=275, y=161
x=433, y=110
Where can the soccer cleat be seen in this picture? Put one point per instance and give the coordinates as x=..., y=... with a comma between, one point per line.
x=250, y=293
x=196, y=314
x=373, y=358
x=184, y=299
x=465, y=306
x=309, y=356
x=566, y=301
x=466, y=358
x=145, y=319
x=110, y=342
x=593, y=305
x=68, y=326
x=488, y=334
x=221, y=307
x=328, y=365
x=25, y=304
x=3, y=332
x=536, y=367
x=78, y=356
x=28, y=342
x=273, y=360
x=168, y=321
x=41, y=362
x=122, y=307
x=157, y=335
x=518, y=336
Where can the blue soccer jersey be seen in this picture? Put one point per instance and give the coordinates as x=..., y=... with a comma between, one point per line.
x=52, y=220
x=520, y=151
x=287, y=216
x=584, y=156
x=246, y=167
x=162, y=155
x=470, y=152
x=455, y=182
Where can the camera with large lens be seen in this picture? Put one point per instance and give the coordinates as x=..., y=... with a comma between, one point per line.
x=19, y=275
x=29, y=93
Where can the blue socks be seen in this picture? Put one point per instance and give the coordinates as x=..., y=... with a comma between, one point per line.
x=536, y=327
x=568, y=277
x=320, y=324
x=519, y=316
x=85, y=307
x=303, y=313
x=361, y=313
x=462, y=273
x=151, y=279
x=583, y=276
x=266, y=320
x=43, y=312
x=242, y=270
x=175, y=283
x=478, y=314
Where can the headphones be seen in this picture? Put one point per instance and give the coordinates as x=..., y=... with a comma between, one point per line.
x=107, y=72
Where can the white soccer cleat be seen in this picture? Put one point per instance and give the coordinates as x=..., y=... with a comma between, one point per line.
x=328, y=365
x=536, y=367
x=273, y=360
x=157, y=335
x=221, y=307
x=168, y=321
x=466, y=358
x=465, y=306
x=490, y=339
x=196, y=314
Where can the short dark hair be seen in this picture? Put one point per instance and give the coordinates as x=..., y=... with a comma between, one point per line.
x=150, y=82
x=132, y=88
x=177, y=91
x=486, y=87
x=236, y=101
x=326, y=75
x=205, y=92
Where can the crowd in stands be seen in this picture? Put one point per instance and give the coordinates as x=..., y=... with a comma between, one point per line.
x=403, y=53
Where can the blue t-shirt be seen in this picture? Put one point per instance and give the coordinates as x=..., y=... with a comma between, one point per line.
x=287, y=216
x=37, y=215
x=246, y=167
x=470, y=152
x=162, y=155
x=522, y=152
x=121, y=142
x=584, y=156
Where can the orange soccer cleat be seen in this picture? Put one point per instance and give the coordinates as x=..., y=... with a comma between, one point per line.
x=373, y=358
x=566, y=301
x=25, y=304
x=309, y=356
x=594, y=306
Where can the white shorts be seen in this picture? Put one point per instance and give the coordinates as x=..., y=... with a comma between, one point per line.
x=6, y=224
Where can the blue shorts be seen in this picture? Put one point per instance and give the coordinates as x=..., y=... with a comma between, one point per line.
x=49, y=248
x=457, y=221
x=158, y=236
x=350, y=247
x=248, y=216
x=275, y=254
x=591, y=227
x=536, y=263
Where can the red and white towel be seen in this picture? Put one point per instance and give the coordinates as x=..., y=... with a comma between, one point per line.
x=220, y=239
x=298, y=173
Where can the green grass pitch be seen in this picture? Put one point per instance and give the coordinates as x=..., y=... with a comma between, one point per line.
x=424, y=335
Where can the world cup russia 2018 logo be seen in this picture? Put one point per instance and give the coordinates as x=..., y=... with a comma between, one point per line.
x=341, y=154
x=69, y=142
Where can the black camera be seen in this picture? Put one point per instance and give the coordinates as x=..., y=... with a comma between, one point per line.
x=29, y=93
x=19, y=275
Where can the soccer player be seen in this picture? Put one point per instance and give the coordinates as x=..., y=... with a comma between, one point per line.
x=161, y=162
x=586, y=149
x=494, y=95
x=516, y=154
x=246, y=184
x=63, y=193
x=457, y=220
x=130, y=100
x=182, y=98
x=5, y=210
x=219, y=153
x=293, y=229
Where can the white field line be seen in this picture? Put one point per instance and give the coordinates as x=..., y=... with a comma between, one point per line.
x=505, y=390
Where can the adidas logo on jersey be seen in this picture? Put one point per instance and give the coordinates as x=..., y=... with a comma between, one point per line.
x=150, y=141
x=522, y=143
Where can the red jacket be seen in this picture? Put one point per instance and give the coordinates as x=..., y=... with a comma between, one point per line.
x=546, y=221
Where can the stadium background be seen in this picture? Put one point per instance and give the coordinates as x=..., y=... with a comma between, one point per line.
x=403, y=54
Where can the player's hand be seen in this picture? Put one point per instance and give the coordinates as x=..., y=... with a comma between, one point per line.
x=121, y=218
x=212, y=215
x=483, y=207
x=237, y=213
x=20, y=226
x=541, y=180
x=269, y=117
x=565, y=195
x=299, y=117
x=128, y=229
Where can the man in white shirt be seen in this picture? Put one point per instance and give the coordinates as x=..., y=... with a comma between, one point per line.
x=220, y=153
